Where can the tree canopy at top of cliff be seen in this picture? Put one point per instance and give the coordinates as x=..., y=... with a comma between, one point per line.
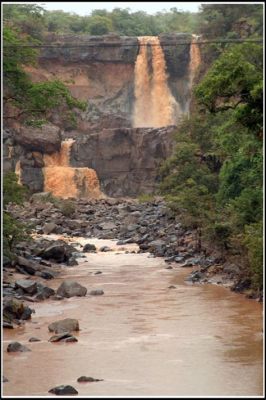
x=213, y=20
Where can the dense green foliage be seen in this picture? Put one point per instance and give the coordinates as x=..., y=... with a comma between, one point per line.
x=13, y=231
x=120, y=21
x=214, y=179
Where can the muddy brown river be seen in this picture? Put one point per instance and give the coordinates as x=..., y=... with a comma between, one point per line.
x=141, y=337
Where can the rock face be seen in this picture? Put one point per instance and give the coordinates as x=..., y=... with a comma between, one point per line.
x=100, y=71
x=71, y=289
x=126, y=159
x=46, y=139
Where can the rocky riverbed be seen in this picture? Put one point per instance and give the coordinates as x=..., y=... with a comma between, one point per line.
x=121, y=322
x=151, y=225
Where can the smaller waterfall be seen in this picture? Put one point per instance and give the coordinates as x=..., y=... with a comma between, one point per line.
x=64, y=181
x=18, y=172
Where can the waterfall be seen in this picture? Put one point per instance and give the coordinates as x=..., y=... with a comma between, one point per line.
x=155, y=106
x=18, y=172
x=64, y=181
x=195, y=59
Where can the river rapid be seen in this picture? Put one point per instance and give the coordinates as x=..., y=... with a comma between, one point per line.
x=141, y=337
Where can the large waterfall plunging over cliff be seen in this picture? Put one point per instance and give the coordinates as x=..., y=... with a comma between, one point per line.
x=155, y=106
x=64, y=181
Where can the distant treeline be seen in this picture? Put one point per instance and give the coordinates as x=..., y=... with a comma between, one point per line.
x=212, y=20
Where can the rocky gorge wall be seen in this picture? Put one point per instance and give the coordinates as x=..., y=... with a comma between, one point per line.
x=101, y=71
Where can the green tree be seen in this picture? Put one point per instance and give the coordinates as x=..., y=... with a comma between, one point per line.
x=13, y=231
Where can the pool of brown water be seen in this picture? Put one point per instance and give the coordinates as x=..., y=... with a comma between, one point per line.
x=141, y=337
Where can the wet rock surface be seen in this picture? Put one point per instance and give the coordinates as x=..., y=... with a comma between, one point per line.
x=65, y=325
x=16, y=347
x=63, y=390
x=70, y=289
x=88, y=379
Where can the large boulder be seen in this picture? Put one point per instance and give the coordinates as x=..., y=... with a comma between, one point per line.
x=71, y=289
x=64, y=325
x=46, y=139
x=57, y=251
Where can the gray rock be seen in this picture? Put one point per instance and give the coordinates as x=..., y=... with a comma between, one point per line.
x=72, y=261
x=89, y=248
x=7, y=325
x=56, y=252
x=105, y=249
x=45, y=274
x=49, y=228
x=15, y=309
x=88, y=379
x=46, y=139
x=64, y=325
x=27, y=286
x=62, y=336
x=107, y=225
x=132, y=227
x=96, y=292
x=44, y=292
x=27, y=266
x=70, y=339
x=63, y=390
x=15, y=347
x=34, y=339
x=71, y=289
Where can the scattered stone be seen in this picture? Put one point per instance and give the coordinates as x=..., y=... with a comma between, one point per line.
x=4, y=379
x=169, y=267
x=49, y=228
x=105, y=249
x=34, y=339
x=15, y=309
x=6, y=262
x=61, y=336
x=63, y=390
x=27, y=286
x=26, y=266
x=71, y=289
x=45, y=274
x=15, y=347
x=96, y=292
x=107, y=225
x=89, y=248
x=171, y=287
x=70, y=339
x=7, y=325
x=88, y=379
x=72, y=261
x=98, y=272
x=43, y=292
x=64, y=325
